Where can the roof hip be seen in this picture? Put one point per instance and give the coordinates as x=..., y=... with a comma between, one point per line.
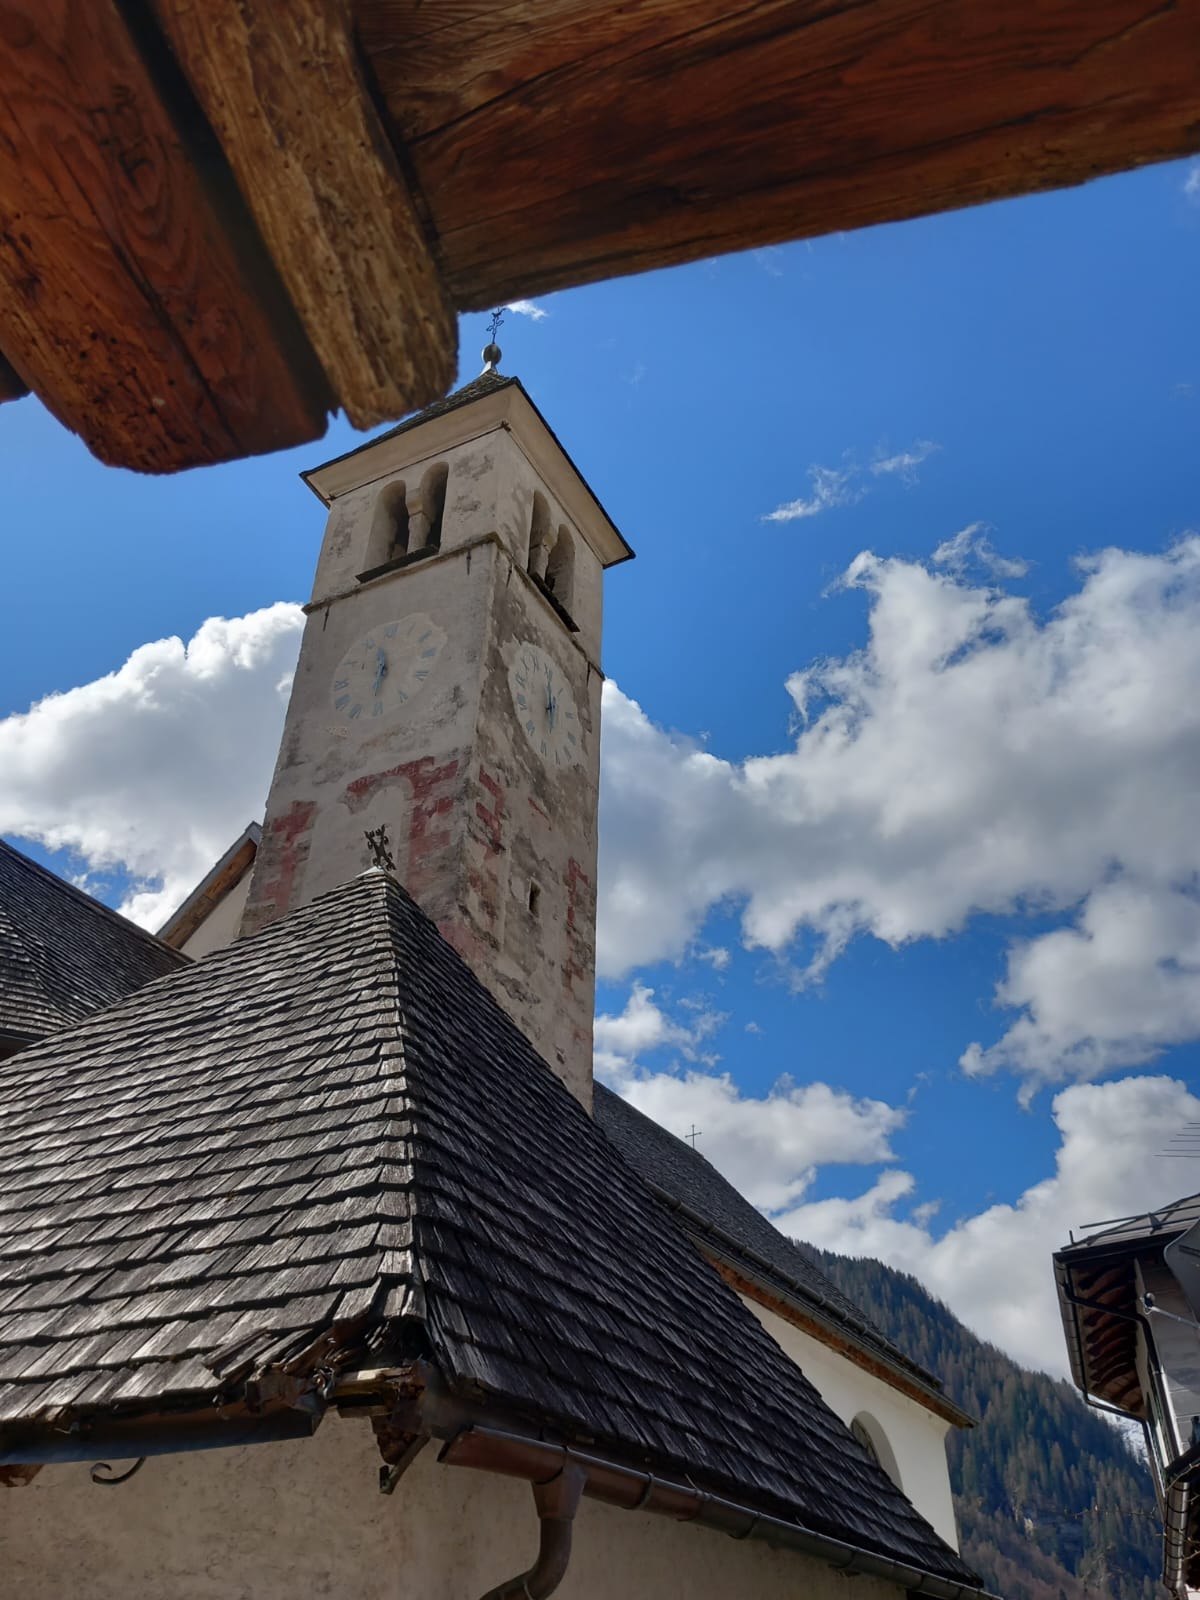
x=327, y=1147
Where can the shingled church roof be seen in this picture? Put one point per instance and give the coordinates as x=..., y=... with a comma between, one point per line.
x=327, y=1144
x=724, y=1222
x=63, y=955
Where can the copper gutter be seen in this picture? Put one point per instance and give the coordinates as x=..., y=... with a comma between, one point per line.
x=85, y=1437
x=556, y=1501
x=545, y=1464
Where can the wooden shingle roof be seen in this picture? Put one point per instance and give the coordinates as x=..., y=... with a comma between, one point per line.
x=326, y=1147
x=63, y=955
x=723, y=1223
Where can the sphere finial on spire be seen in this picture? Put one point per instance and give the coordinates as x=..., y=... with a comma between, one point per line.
x=491, y=350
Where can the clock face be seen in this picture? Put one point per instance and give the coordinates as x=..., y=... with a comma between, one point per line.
x=387, y=668
x=545, y=707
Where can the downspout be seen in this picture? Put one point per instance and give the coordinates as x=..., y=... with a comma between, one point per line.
x=557, y=1500
x=544, y=1465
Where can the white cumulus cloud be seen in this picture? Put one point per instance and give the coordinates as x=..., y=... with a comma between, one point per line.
x=157, y=767
x=993, y=1269
x=770, y=1145
x=972, y=757
x=527, y=308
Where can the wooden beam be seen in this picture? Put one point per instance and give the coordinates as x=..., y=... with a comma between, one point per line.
x=561, y=141
x=283, y=88
x=123, y=298
x=12, y=386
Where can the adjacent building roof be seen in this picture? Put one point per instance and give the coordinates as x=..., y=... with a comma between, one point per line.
x=327, y=1146
x=726, y=1226
x=1097, y=1296
x=63, y=955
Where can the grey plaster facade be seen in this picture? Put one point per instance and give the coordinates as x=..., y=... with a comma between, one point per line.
x=492, y=832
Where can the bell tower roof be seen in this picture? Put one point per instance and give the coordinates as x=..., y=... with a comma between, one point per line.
x=492, y=400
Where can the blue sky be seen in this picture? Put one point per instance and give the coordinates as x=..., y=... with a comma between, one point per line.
x=1029, y=371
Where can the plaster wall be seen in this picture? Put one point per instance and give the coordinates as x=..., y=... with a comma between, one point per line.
x=489, y=491
x=474, y=816
x=916, y=1437
x=282, y=1521
x=220, y=927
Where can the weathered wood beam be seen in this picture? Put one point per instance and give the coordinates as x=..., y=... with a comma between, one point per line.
x=561, y=141
x=12, y=385
x=283, y=88
x=124, y=299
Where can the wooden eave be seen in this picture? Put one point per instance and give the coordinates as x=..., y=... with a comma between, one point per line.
x=1097, y=1300
x=221, y=220
x=212, y=889
x=739, y=1275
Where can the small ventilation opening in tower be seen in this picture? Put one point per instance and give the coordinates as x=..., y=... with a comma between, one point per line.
x=535, y=895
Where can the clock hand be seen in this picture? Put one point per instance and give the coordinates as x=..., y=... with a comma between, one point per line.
x=380, y=671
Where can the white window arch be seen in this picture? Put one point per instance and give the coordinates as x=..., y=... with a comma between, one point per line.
x=875, y=1442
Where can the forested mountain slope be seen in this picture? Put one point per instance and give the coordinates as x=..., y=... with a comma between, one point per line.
x=1052, y=1502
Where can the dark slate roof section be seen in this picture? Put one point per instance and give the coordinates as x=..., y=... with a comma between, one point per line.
x=63, y=955
x=328, y=1140
x=683, y=1176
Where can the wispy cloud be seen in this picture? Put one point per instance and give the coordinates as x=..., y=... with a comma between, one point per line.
x=904, y=463
x=830, y=487
x=1191, y=184
x=769, y=259
x=527, y=308
x=843, y=486
x=971, y=547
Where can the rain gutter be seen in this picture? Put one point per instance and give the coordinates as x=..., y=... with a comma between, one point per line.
x=84, y=1438
x=543, y=1465
x=1178, y=1503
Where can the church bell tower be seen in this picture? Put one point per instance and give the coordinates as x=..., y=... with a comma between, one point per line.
x=448, y=693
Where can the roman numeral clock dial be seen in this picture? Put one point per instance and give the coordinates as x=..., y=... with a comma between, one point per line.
x=545, y=707
x=387, y=668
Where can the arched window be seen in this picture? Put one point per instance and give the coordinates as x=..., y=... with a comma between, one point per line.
x=540, y=538
x=425, y=523
x=560, y=570
x=875, y=1442
x=389, y=526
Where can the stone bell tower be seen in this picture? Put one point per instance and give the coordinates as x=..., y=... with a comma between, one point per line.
x=448, y=692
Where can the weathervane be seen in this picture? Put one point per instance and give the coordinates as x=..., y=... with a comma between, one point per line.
x=491, y=350
x=377, y=839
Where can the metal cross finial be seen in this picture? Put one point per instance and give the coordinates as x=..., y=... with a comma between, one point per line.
x=693, y=1135
x=377, y=839
x=491, y=351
